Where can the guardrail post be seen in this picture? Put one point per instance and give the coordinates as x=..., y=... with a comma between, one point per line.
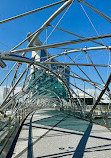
x=73, y=109
x=9, y=126
x=22, y=114
x=106, y=118
x=15, y=120
x=25, y=112
x=19, y=117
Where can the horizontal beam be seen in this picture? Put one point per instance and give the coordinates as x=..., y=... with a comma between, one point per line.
x=27, y=60
x=94, y=65
x=55, y=45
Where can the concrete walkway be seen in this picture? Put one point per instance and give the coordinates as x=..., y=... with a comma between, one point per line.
x=52, y=134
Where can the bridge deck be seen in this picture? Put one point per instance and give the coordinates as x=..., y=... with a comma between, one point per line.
x=51, y=134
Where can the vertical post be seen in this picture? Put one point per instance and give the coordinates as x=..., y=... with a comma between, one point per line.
x=84, y=97
x=6, y=83
x=15, y=120
x=73, y=109
x=94, y=99
x=19, y=116
x=22, y=114
x=9, y=126
x=106, y=118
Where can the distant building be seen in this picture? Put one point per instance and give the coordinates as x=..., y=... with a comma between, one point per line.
x=5, y=92
x=91, y=101
x=42, y=55
x=42, y=78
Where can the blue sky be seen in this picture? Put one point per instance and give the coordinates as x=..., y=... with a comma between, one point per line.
x=75, y=20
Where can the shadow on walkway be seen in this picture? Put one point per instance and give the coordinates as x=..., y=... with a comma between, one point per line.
x=61, y=121
x=79, y=152
x=30, y=147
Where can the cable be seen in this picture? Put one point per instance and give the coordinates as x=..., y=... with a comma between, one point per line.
x=77, y=56
x=58, y=22
x=97, y=11
x=93, y=28
x=74, y=34
x=91, y=54
x=5, y=45
x=89, y=19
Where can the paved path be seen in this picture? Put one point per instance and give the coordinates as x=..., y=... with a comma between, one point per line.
x=52, y=134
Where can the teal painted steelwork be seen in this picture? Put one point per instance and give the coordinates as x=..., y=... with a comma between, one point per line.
x=41, y=79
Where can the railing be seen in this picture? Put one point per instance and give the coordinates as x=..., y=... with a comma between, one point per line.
x=102, y=118
x=9, y=127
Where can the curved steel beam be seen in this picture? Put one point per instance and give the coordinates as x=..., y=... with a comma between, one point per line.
x=27, y=60
x=55, y=95
x=79, y=50
x=30, y=61
x=51, y=18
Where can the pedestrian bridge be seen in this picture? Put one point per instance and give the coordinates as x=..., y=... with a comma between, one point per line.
x=52, y=133
x=56, y=96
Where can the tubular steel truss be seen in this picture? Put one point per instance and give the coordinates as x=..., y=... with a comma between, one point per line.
x=45, y=81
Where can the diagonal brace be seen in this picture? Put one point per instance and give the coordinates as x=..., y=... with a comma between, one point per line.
x=100, y=96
